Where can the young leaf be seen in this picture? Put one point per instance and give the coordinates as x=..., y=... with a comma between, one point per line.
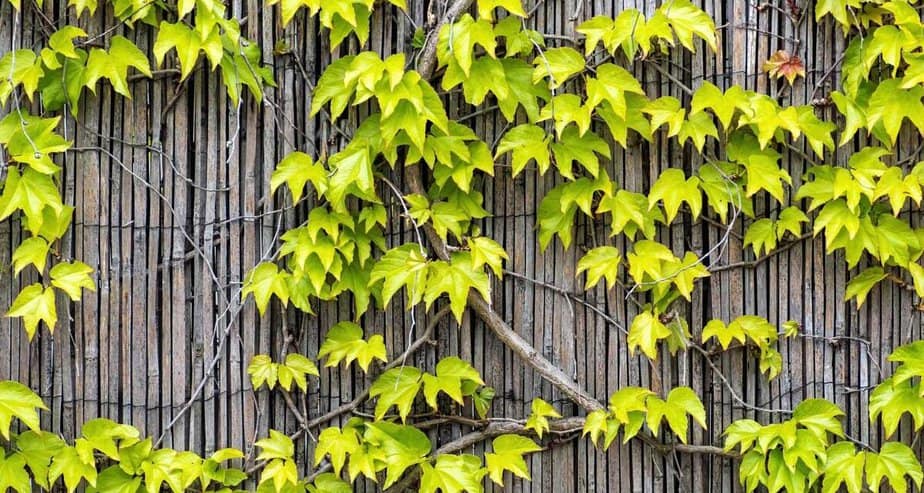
x=455, y=279
x=538, y=420
x=452, y=474
x=35, y=304
x=344, y=342
x=18, y=401
x=761, y=236
x=113, y=65
x=398, y=447
x=527, y=143
x=860, y=285
x=264, y=281
x=674, y=189
x=558, y=64
x=262, y=370
x=296, y=170
x=508, y=456
x=600, y=263
x=396, y=387
x=451, y=374
x=645, y=333
x=72, y=277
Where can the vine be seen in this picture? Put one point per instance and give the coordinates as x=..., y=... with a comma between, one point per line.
x=566, y=107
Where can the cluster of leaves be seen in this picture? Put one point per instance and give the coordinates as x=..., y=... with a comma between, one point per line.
x=106, y=457
x=756, y=332
x=632, y=407
x=807, y=451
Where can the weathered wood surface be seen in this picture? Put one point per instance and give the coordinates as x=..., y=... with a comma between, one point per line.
x=173, y=206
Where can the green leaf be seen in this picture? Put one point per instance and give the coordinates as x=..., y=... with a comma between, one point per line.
x=890, y=400
x=486, y=10
x=723, y=105
x=673, y=189
x=761, y=236
x=843, y=467
x=583, y=149
x=894, y=461
x=31, y=192
x=697, y=127
x=666, y=109
x=558, y=64
x=398, y=447
x=453, y=474
x=72, y=277
x=403, y=266
x=262, y=370
x=114, y=480
x=860, y=285
x=790, y=220
x=724, y=334
x=344, y=342
x=37, y=448
x=457, y=41
x=68, y=463
x=451, y=374
x=765, y=174
x=329, y=483
x=538, y=419
x=486, y=251
x=31, y=251
x=456, y=278
x=396, y=387
x=35, y=304
x=296, y=368
x=600, y=263
x=296, y=170
x=645, y=333
x=508, y=456
x=113, y=65
x=276, y=446
x=681, y=401
x=338, y=444
x=18, y=401
x=890, y=104
x=819, y=416
x=688, y=20
x=264, y=281
x=187, y=43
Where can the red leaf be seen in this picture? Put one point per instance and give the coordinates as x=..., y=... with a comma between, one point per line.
x=781, y=64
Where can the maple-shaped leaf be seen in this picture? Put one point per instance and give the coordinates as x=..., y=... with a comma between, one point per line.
x=673, y=189
x=295, y=171
x=645, y=333
x=558, y=64
x=396, y=387
x=20, y=402
x=765, y=174
x=452, y=474
x=403, y=266
x=860, y=285
x=723, y=105
x=451, y=374
x=600, y=263
x=72, y=278
x=790, y=221
x=782, y=64
x=486, y=8
x=844, y=466
x=724, y=334
x=761, y=236
x=344, y=342
x=457, y=41
x=338, y=444
x=891, y=105
x=113, y=65
x=680, y=402
x=631, y=214
x=396, y=446
x=526, y=143
x=264, y=281
x=187, y=43
x=34, y=304
x=508, y=456
x=486, y=251
x=573, y=147
x=666, y=109
x=540, y=412
x=455, y=279
x=687, y=20
x=263, y=370
x=893, y=462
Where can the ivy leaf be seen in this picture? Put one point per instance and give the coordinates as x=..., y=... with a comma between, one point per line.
x=508, y=456
x=398, y=447
x=688, y=20
x=844, y=466
x=402, y=266
x=681, y=401
x=329, y=483
x=486, y=8
x=723, y=105
x=37, y=448
x=765, y=174
x=396, y=387
x=600, y=263
x=18, y=401
x=31, y=251
x=631, y=214
x=35, y=304
x=455, y=279
x=451, y=374
x=264, y=281
x=674, y=189
x=891, y=104
x=482, y=400
x=453, y=474
x=262, y=370
x=72, y=277
x=296, y=170
x=187, y=43
x=819, y=416
x=486, y=251
x=344, y=342
x=295, y=369
x=761, y=236
x=743, y=433
x=457, y=40
x=666, y=109
x=538, y=419
x=860, y=285
x=790, y=220
x=338, y=444
x=30, y=192
x=890, y=400
x=571, y=147
x=277, y=446
x=526, y=143
x=724, y=334
x=113, y=65
x=697, y=127
x=645, y=333
x=68, y=463
x=558, y=64
x=894, y=461
x=555, y=220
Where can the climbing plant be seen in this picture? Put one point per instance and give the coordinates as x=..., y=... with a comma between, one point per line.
x=567, y=107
